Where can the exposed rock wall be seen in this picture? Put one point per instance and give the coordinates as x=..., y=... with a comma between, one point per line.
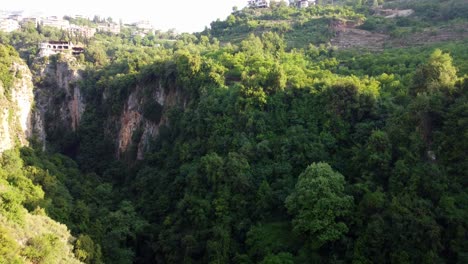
x=60, y=106
x=135, y=130
x=59, y=102
x=130, y=121
x=16, y=109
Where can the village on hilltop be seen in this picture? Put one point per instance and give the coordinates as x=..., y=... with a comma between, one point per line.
x=11, y=21
x=266, y=3
x=14, y=20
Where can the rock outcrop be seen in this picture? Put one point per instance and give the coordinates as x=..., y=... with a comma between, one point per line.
x=135, y=128
x=60, y=106
x=16, y=108
x=59, y=102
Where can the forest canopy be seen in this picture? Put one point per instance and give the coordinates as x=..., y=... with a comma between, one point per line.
x=272, y=144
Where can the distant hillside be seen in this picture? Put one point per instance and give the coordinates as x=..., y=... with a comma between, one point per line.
x=351, y=24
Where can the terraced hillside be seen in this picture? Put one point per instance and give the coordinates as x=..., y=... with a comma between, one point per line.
x=345, y=25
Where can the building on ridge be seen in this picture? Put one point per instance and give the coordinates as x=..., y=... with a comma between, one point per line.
x=258, y=3
x=109, y=27
x=87, y=32
x=302, y=3
x=55, y=47
x=35, y=20
x=9, y=25
x=56, y=22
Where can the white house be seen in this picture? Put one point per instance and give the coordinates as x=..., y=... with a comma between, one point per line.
x=258, y=3
x=18, y=16
x=35, y=20
x=109, y=27
x=302, y=3
x=9, y=25
x=56, y=22
x=56, y=47
x=84, y=31
x=144, y=25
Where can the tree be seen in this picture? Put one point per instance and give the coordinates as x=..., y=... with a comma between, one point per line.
x=280, y=258
x=86, y=251
x=123, y=227
x=318, y=202
x=273, y=43
x=97, y=55
x=437, y=74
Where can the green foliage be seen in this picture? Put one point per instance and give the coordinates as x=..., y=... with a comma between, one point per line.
x=318, y=202
x=437, y=74
x=435, y=10
x=267, y=239
x=281, y=258
x=41, y=249
x=152, y=110
x=299, y=26
x=9, y=249
x=97, y=55
x=84, y=249
x=7, y=57
x=21, y=217
x=254, y=114
x=80, y=21
x=10, y=206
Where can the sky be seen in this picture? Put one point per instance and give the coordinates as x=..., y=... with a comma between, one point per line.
x=182, y=15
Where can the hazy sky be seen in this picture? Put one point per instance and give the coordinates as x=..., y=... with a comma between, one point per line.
x=183, y=15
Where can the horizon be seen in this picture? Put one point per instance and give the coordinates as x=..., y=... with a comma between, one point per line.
x=181, y=16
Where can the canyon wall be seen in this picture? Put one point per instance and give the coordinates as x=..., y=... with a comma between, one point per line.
x=16, y=105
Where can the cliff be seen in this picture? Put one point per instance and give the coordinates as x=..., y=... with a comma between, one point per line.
x=16, y=108
x=27, y=234
x=61, y=104
x=144, y=112
x=58, y=97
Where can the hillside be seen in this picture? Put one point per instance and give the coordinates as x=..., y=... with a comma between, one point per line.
x=330, y=134
x=351, y=24
x=27, y=233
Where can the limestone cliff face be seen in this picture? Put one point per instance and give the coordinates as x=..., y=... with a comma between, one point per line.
x=16, y=108
x=60, y=106
x=59, y=102
x=143, y=115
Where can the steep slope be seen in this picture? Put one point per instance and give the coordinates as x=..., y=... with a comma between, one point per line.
x=59, y=104
x=27, y=234
x=132, y=116
x=142, y=116
x=16, y=100
x=351, y=24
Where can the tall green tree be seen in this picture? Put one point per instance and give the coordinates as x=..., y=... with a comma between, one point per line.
x=437, y=74
x=319, y=203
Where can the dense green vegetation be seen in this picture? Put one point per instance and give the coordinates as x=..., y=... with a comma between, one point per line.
x=7, y=56
x=27, y=234
x=299, y=26
x=230, y=171
x=279, y=150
